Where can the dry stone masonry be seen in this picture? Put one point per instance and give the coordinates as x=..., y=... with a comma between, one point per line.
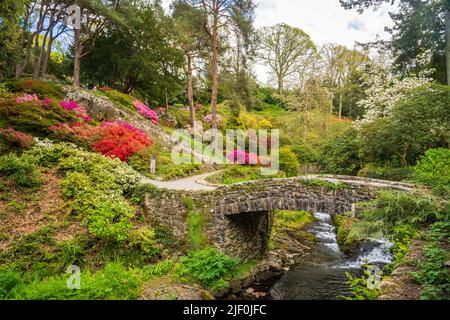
x=239, y=216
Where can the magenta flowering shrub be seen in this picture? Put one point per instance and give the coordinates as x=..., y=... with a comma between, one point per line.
x=79, y=110
x=209, y=119
x=26, y=98
x=242, y=157
x=146, y=111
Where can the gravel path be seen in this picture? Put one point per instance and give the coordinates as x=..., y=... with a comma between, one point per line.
x=194, y=183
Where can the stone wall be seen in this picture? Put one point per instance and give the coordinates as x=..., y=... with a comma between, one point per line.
x=238, y=216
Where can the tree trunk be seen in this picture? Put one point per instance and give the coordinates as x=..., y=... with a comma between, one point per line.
x=340, y=104
x=166, y=97
x=77, y=58
x=280, y=85
x=447, y=23
x=48, y=53
x=190, y=92
x=215, y=77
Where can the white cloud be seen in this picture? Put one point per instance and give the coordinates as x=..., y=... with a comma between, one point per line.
x=324, y=20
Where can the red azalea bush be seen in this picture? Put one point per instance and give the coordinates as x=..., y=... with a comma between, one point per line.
x=115, y=139
x=121, y=140
x=76, y=132
x=11, y=139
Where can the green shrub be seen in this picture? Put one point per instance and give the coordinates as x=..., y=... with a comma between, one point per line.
x=433, y=169
x=417, y=123
x=114, y=282
x=41, y=88
x=197, y=238
x=305, y=154
x=32, y=118
x=293, y=219
x=347, y=241
x=385, y=173
x=110, y=219
x=211, y=268
x=97, y=187
x=288, y=162
x=23, y=170
x=157, y=270
x=120, y=99
x=146, y=239
x=8, y=280
x=433, y=274
x=340, y=155
x=396, y=208
x=237, y=173
x=360, y=288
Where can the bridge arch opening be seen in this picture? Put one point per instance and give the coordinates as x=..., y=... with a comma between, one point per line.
x=248, y=234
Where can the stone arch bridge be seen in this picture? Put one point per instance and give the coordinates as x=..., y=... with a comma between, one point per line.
x=238, y=217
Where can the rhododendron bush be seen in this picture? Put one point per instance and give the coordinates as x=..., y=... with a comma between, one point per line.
x=15, y=139
x=26, y=98
x=79, y=110
x=121, y=140
x=242, y=157
x=115, y=139
x=146, y=111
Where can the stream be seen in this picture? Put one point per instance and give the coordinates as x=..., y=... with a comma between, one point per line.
x=321, y=276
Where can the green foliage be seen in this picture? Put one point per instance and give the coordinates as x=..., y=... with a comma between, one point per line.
x=120, y=99
x=293, y=219
x=110, y=219
x=32, y=118
x=146, y=239
x=396, y=208
x=211, y=268
x=360, y=286
x=157, y=270
x=324, y=184
x=237, y=173
x=288, y=162
x=305, y=154
x=197, y=237
x=97, y=187
x=433, y=169
x=165, y=168
x=41, y=88
x=347, y=240
x=8, y=280
x=340, y=155
x=402, y=237
x=385, y=173
x=417, y=123
x=433, y=274
x=112, y=283
x=23, y=170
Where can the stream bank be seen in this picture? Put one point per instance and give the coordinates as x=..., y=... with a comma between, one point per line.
x=301, y=269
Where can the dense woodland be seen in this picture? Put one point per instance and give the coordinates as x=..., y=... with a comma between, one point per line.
x=378, y=110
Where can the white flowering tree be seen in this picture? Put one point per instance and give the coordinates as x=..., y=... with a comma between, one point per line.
x=385, y=89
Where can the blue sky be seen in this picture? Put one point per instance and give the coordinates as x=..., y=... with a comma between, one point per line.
x=324, y=20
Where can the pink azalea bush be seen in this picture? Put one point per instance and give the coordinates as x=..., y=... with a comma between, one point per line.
x=26, y=98
x=146, y=111
x=79, y=110
x=16, y=139
x=242, y=157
